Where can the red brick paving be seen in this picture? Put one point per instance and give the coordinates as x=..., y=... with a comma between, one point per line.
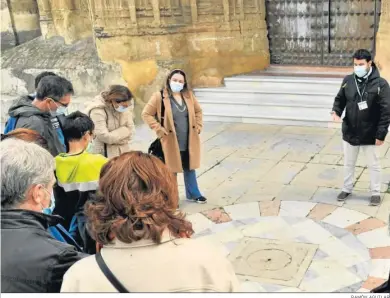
x=217, y=215
x=366, y=225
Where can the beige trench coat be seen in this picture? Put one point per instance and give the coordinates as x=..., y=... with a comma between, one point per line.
x=175, y=265
x=111, y=127
x=168, y=133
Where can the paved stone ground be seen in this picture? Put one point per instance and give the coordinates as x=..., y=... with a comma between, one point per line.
x=272, y=205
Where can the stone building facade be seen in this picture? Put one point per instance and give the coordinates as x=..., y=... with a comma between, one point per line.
x=144, y=39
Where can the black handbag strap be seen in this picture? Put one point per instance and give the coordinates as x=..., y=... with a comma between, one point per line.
x=105, y=145
x=162, y=109
x=110, y=276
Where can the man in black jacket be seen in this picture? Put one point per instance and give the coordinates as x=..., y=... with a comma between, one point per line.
x=53, y=96
x=365, y=97
x=31, y=259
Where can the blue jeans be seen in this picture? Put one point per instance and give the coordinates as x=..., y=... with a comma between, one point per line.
x=191, y=185
x=190, y=182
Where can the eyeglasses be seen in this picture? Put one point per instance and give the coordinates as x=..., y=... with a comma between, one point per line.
x=57, y=102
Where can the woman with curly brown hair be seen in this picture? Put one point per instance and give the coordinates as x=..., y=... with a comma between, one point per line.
x=147, y=244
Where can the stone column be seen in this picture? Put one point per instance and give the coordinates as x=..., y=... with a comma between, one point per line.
x=226, y=11
x=194, y=11
x=132, y=11
x=156, y=11
x=26, y=19
x=383, y=41
x=46, y=19
x=8, y=38
x=242, y=13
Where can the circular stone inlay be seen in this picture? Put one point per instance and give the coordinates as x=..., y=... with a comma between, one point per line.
x=269, y=259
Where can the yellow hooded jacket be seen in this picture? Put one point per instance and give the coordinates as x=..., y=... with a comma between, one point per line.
x=77, y=179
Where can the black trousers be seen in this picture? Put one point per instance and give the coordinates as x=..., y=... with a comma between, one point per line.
x=185, y=160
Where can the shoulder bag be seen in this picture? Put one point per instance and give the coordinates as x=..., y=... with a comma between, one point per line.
x=155, y=148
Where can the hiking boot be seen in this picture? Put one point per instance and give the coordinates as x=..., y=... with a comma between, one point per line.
x=343, y=196
x=200, y=200
x=375, y=200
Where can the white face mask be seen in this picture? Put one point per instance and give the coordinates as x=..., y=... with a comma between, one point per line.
x=360, y=71
x=176, y=86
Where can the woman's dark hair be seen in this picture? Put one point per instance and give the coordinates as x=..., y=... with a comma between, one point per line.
x=137, y=199
x=362, y=54
x=185, y=87
x=76, y=125
x=117, y=93
x=27, y=135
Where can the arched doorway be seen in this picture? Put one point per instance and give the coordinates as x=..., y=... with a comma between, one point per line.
x=320, y=32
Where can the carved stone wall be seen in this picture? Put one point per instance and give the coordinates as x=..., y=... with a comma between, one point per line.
x=19, y=22
x=70, y=19
x=383, y=41
x=210, y=39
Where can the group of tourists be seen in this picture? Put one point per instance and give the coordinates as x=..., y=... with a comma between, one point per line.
x=81, y=212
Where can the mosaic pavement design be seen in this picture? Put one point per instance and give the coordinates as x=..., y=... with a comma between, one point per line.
x=295, y=246
x=272, y=200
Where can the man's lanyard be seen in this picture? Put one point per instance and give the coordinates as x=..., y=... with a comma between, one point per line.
x=358, y=90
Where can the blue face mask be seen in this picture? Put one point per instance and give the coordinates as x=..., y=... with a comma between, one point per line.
x=360, y=71
x=176, y=86
x=49, y=210
x=61, y=110
x=121, y=109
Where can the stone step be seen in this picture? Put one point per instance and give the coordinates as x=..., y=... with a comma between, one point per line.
x=307, y=113
x=285, y=78
x=250, y=97
x=305, y=71
x=283, y=100
x=268, y=120
x=283, y=83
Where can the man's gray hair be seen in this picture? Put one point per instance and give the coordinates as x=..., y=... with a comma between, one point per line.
x=23, y=165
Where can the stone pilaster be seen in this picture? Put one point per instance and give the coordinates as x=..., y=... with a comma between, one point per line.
x=383, y=41
x=26, y=19
x=8, y=38
x=46, y=19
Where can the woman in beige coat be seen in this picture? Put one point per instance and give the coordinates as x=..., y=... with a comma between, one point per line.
x=183, y=122
x=112, y=114
x=146, y=243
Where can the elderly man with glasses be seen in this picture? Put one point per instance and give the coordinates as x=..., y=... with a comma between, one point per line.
x=32, y=261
